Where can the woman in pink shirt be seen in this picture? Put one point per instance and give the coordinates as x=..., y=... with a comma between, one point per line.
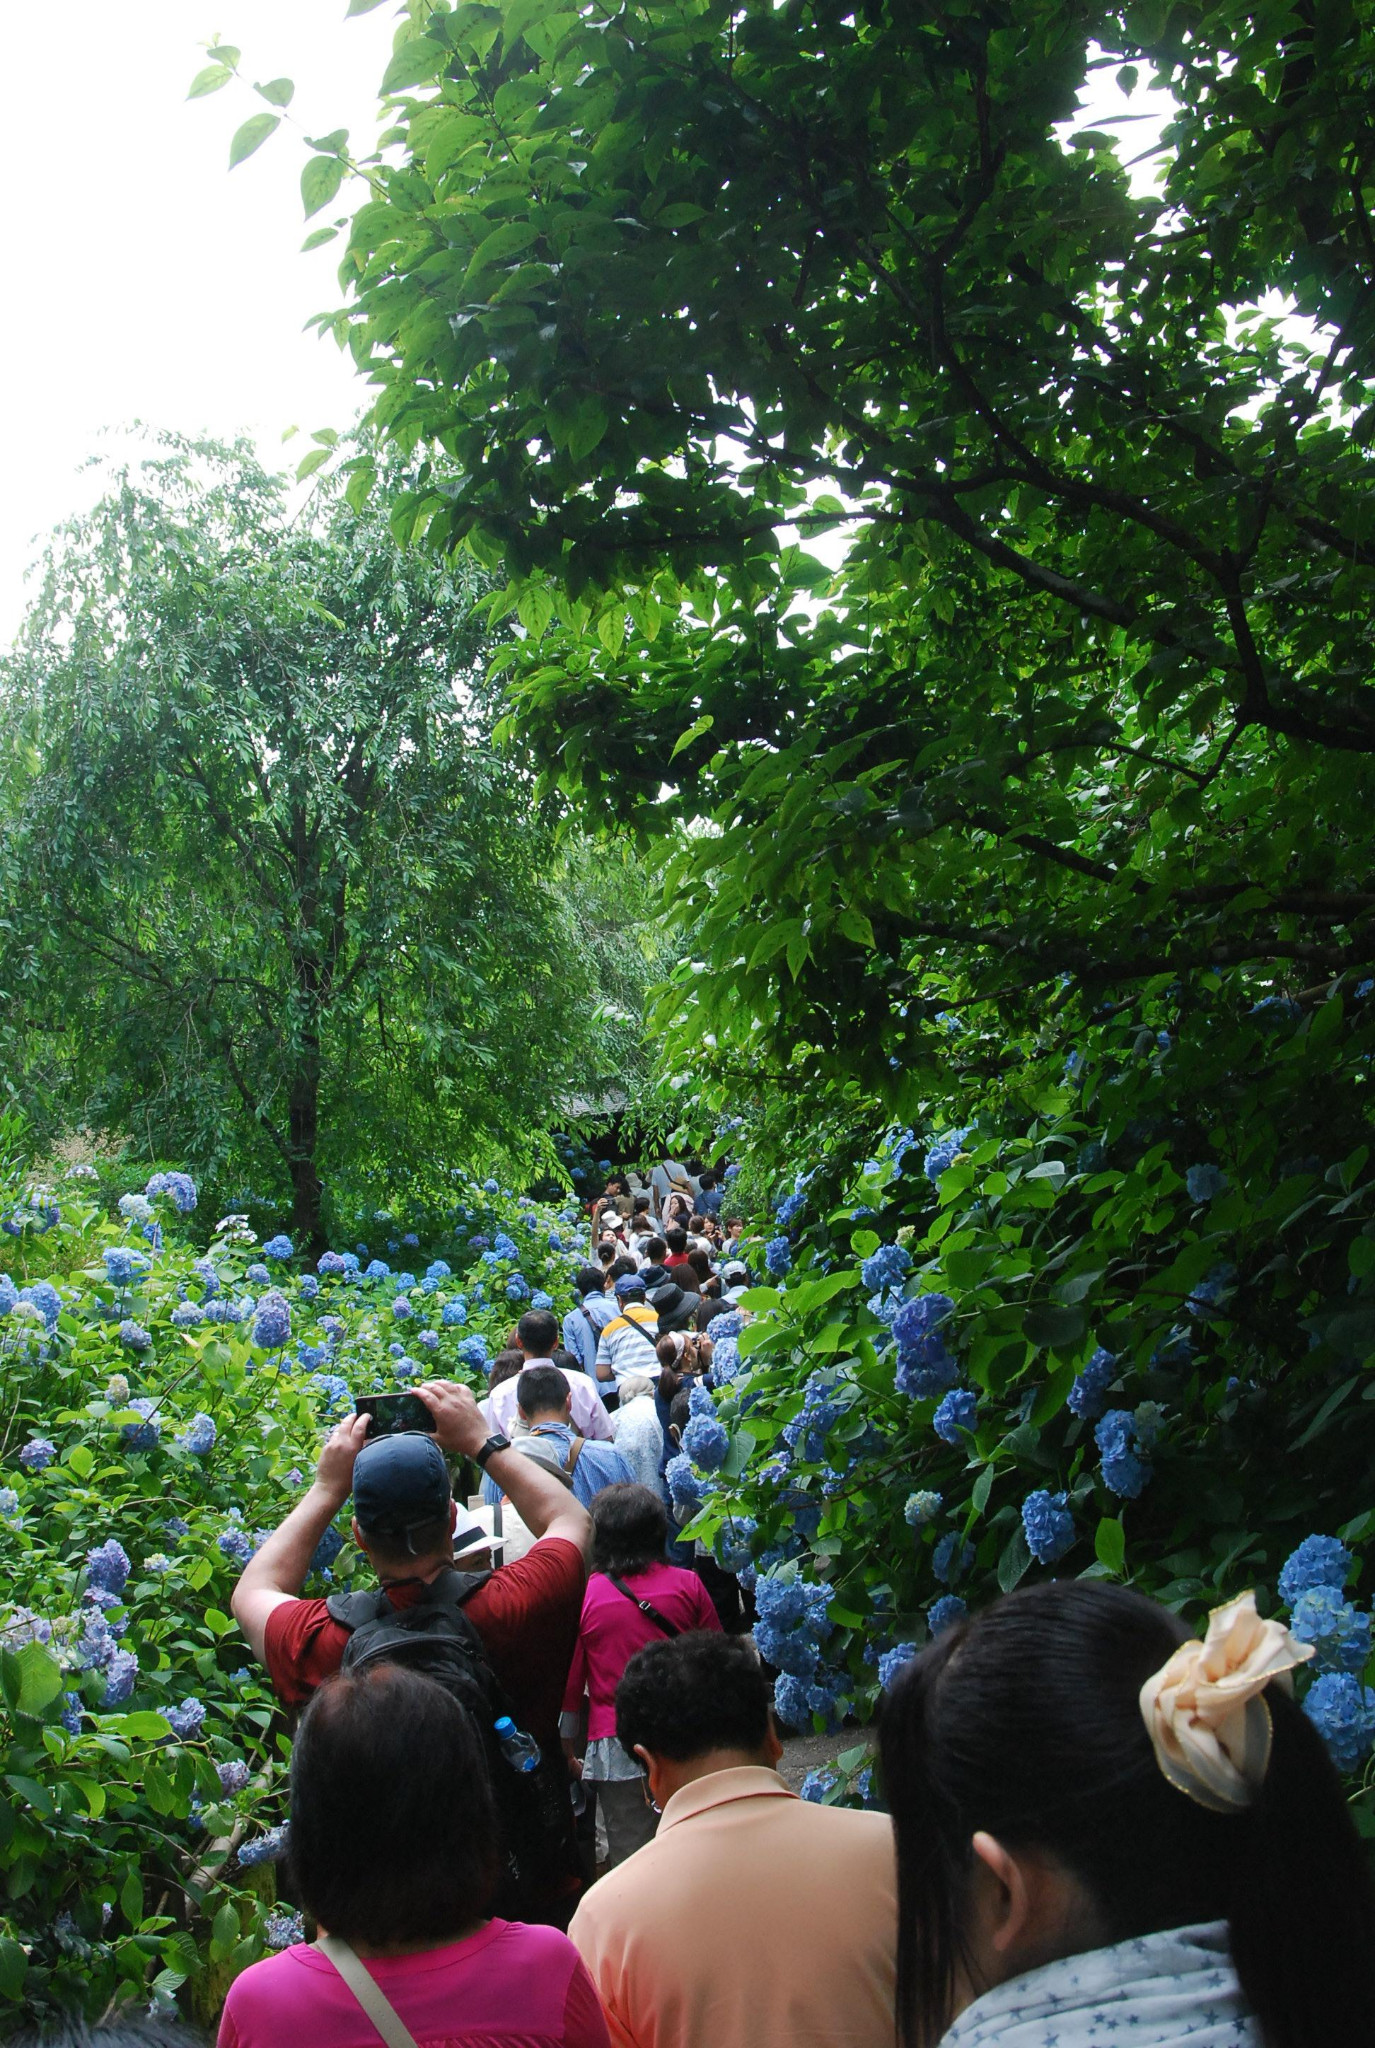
x=632, y=1598
x=393, y=1849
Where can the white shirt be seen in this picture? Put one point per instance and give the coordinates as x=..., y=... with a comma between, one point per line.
x=589, y=1415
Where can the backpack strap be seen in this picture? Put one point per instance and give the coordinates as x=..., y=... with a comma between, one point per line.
x=574, y=1453
x=647, y=1609
x=451, y=1589
x=369, y=1993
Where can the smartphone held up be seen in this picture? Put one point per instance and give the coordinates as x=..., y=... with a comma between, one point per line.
x=394, y=1414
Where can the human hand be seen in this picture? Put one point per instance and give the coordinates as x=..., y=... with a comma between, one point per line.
x=459, y=1424
x=335, y=1470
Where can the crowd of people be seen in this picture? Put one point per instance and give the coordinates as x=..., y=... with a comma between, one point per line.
x=1095, y=1826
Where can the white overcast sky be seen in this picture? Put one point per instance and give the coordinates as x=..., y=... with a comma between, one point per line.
x=145, y=281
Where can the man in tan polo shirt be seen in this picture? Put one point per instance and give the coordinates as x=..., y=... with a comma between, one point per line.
x=753, y=1919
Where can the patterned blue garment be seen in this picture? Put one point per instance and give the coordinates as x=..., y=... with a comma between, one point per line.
x=1147, y=1993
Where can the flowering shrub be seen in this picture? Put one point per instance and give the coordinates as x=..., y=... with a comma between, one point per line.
x=162, y=1410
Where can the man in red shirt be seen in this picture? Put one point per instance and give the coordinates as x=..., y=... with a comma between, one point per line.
x=527, y=1614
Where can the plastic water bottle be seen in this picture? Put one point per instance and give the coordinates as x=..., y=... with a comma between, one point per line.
x=520, y=1750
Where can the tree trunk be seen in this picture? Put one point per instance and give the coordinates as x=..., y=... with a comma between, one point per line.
x=307, y=1192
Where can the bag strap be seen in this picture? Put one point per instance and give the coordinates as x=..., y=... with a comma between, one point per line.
x=651, y=1337
x=574, y=1453
x=649, y=1611
x=369, y=1993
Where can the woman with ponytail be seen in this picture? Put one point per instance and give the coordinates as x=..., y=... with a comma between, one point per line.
x=1112, y=1836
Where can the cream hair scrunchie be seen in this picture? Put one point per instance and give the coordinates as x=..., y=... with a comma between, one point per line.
x=1203, y=1711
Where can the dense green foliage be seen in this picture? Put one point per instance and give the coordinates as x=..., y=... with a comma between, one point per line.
x=275, y=901
x=118, y=1840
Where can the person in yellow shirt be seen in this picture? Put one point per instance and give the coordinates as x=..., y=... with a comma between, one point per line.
x=754, y=1919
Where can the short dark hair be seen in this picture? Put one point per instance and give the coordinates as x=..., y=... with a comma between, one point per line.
x=397, y=1550
x=622, y=1266
x=393, y=1828
x=565, y=1359
x=700, y=1692
x=640, y=1202
x=538, y=1331
x=629, y=1530
x=505, y=1366
x=707, y=1180
x=655, y=1250
x=588, y=1280
x=675, y=1240
x=540, y=1388
x=1024, y=1720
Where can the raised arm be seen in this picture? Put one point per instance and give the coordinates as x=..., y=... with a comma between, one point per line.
x=277, y=1572
x=542, y=1501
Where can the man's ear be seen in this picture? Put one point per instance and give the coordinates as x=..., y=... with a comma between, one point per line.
x=453, y=1516
x=654, y=1771
x=357, y=1534
x=1008, y=1904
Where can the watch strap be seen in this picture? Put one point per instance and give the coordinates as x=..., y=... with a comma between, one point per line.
x=496, y=1442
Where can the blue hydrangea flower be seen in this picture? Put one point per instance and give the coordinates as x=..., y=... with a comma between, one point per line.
x=235, y=1545
x=454, y=1313
x=944, y=1152
x=186, y=1315
x=9, y=1294
x=268, y=1848
x=885, y=1268
x=473, y=1352
x=957, y=1414
x=123, y=1265
x=731, y=1542
x=257, y=1273
x=1117, y=1437
x=517, y=1287
x=330, y=1264
x=333, y=1386
x=199, y=1435
x=818, y=1783
x=1343, y=1712
x=807, y=1432
x=279, y=1247
x=178, y=1186
x=685, y=1487
x=790, y=1699
x=233, y=1775
x=9, y=1501
x=707, y=1442
x=541, y=1300
x=921, y=1508
x=892, y=1661
x=326, y=1550
x=789, y=1209
x=725, y=1357
x=143, y=1435
x=135, y=1208
x=108, y=1567
x=1339, y=1632
x=944, y=1613
x=204, y=1270
x=308, y=1287
x=42, y=1295
x=952, y=1558
x=438, y=1270
x=428, y=1340
x=284, y=1930
x=925, y=1367
x=72, y=1709
x=401, y=1308
x=778, y=1256
x=376, y=1269
x=187, y=1720
x=1048, y=1524
x=1205, y=1182
x=120, y=1673
x=406, y=1367
x=505, y=1247
x=272, y=1323
x=134, y=1336
x=1086, y=1396
x=1318, y=1561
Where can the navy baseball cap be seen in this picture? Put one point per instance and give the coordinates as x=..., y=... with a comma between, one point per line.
x=400, y=1482
x=628, y=1284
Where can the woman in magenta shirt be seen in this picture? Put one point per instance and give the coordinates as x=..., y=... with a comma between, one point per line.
x=393, y=1852
x=632, y=1598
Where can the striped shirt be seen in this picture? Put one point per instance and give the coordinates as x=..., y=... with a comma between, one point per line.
x=627, y=1344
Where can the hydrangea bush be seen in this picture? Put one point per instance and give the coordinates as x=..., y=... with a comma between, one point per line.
x=163, y=1405
x=1124, y=1330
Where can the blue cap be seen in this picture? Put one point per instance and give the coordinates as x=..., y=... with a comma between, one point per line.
x=628, y=1284
x=400, y=1482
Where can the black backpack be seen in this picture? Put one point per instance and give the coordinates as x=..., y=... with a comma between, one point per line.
x=534, y=1808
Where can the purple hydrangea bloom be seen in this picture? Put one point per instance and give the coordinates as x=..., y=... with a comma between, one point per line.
x=952, y=1558
x=121, y=1670
x=330, y=1263
x=279, y=1247
x=37, y=1454
x=885, y=1268
x=143, y=1436
x=235, y=1545
x=186, y=1720
x=925, y=1367
x=199, y=1436
x=233, y=1775
x=268, y=1848
x=944, y=1613
x=1205, y=1183
x=108, y=1567
x=134, y=1335
x=272, y=1323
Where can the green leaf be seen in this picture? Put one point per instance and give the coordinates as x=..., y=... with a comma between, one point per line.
x=131, y=1898
x=983, y=1486
x=252, y=135
x=212, y=79
x=40, y=1679
x=1055, y=1326
x=13, y=1968
x=142, y=1726
x=277, y=92
x=225, y=1926
x=1110, y=1545
x=694, y=732
x=361, y=7
x=1015, y=1561
x=321, y=177
x=80, y=1459
x=317, y=240
x=416, y=62
x=308, y=464
x=855, y=925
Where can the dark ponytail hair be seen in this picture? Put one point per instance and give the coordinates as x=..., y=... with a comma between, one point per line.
x=1023, y=1721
